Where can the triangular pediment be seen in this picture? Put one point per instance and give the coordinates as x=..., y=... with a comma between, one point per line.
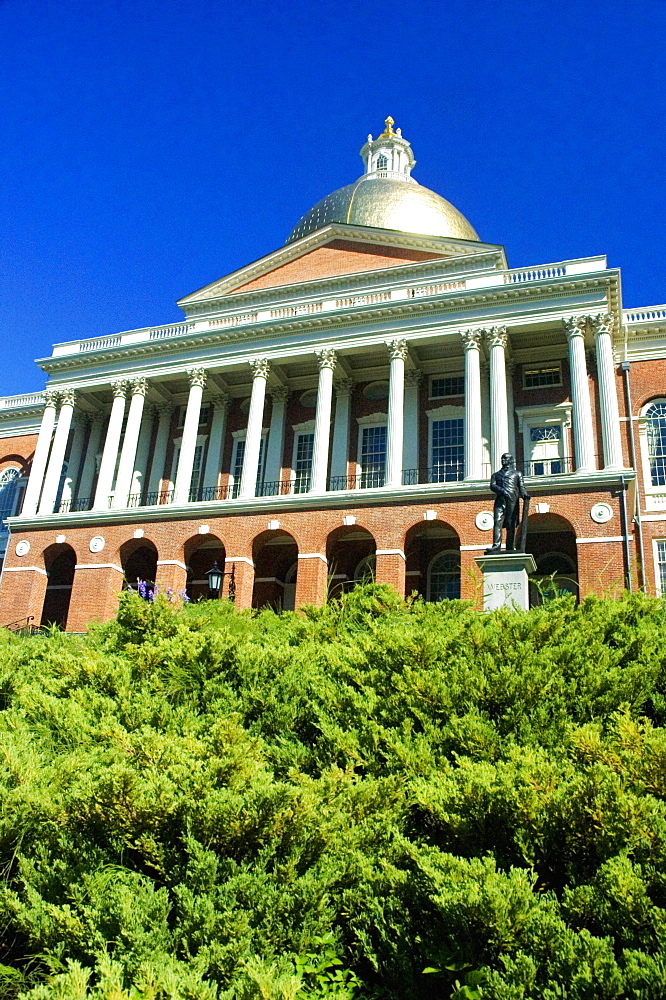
x=331, y=252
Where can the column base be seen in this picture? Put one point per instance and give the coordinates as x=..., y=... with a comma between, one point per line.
x=505, y=582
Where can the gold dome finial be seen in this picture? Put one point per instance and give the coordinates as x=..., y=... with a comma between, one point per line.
x=388, y=131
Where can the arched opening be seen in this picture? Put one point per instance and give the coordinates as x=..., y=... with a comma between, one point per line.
x=551, y=539
x=432, y=553
x=138, y=559
x=275, y=555
x=60, y=564
x=201, y=554
x=351, y=553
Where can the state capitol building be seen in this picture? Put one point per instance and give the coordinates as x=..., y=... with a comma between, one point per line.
x=334, y=411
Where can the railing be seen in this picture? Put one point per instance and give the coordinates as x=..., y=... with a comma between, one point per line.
x=25, y=626
x=30, y=399
x=646, y=315
x=536, y=274
x=470, y=282
x=445, y=473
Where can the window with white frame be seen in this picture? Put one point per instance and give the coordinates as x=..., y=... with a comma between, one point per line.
x=204, y=414
x=655, y=416
x=12, y=486
x=197, y=465
x=447, y=385
x=446, y=444
x=444, y=577
x=540, y=378
x=448, y=450
x=545, y=431
x=237, y=463
x=660, y=565
x=303, y=450
x=373, y=456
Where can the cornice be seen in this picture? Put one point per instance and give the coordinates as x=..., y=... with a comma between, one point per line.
x=447, y=303
x=430, y=492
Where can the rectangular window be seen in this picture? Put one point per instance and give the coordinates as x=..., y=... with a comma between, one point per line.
x=538, y=378
x=450, y=385
x=204, y=413
x=197, y=469
x=546, y=451
x=448, y=451
x=661, y=567
x=303, y=462
x=237, y=466
x=373, y=457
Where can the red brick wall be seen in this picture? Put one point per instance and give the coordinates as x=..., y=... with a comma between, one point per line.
x=95, y=591
x=339, y=257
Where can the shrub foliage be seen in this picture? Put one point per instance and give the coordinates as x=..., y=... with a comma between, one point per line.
x=376, y=799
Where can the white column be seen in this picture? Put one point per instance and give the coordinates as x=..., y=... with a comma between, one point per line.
x=510, y=405
x=473, y=432
x=602, y=325
x=160, y=450
x=396, y=407
x=58, y=449
x=74, y=461
x=583, y=428
x=90, y=461
x=410, y=442
x=215, y=442
x=326, y=359
x=188, y=443
x=139, y=477
x=40, y=458
x=111, y=444
x=248, y=484
x=499, y=415
x=340, y=449
x=138, y=388
x=276, y=435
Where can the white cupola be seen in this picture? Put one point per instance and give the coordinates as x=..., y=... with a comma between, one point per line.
x=389, y=155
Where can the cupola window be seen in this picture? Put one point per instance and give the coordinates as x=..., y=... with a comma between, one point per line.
x=382, y=162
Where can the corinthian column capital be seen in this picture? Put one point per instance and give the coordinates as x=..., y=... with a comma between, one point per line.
x=280, y=394
x=413, y=377
x=197, y=376
x=496, y=336
x=119, y=389
x=138, y=387
x=602, y=323
x=471, y=339
x=574, y=326
x=326, y=358
x=397, y=349
x=67, y=397
x=261, y=368
x=50, y=397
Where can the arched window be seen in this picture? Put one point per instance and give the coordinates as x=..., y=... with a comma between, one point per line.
x=656, y=439
x=365, y=571
x=444, y=577
x=11, y=490
x=382, y=162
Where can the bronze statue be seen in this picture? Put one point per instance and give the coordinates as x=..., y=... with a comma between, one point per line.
x=509, y=488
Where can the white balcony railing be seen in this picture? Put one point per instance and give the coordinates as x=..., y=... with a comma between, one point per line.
x=395, y=292
x=649, y=314
x=13, y=402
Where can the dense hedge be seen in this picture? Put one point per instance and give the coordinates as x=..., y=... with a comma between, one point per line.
x=200, y=803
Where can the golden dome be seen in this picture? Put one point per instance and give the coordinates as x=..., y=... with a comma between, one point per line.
x=387, y=196
x=387, y=204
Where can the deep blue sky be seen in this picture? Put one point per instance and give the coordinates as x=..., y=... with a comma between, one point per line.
x=148, y=148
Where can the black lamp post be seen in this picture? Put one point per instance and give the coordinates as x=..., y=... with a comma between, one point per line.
x=215, y=577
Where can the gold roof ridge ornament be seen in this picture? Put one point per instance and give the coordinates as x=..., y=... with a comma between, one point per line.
x=388, y=131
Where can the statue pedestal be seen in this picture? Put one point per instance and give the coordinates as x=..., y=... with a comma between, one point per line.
x=505, y=582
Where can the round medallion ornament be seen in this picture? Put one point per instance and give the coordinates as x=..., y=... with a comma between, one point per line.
x=22, y=547
x=96, y=544
x=484, y=520
x=601, y=512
